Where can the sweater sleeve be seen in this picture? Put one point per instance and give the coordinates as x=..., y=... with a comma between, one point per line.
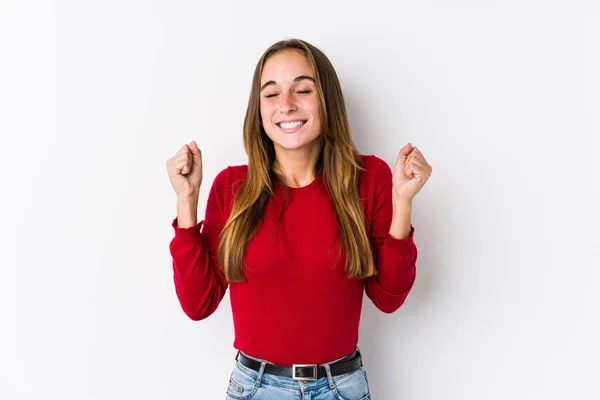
x=395, y=259
x=200, y=283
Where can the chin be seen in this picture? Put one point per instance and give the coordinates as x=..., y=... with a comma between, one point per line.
x=296, y=146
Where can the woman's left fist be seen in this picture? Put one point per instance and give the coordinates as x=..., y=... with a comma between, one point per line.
x=411, y=171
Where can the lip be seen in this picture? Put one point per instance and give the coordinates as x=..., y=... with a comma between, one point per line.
x=294, y=129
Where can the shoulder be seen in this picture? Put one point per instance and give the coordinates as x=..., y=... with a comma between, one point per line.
x=232, y=172
x=375, y=187
x=230, y=178
x=375, y=169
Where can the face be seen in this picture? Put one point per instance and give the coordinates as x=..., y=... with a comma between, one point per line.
x=289, y=105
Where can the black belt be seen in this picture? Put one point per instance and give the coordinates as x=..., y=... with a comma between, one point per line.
x=309, y=372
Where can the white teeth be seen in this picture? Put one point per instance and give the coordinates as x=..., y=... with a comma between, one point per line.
x=290, y=125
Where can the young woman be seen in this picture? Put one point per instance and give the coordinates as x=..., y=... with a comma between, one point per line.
x=298, y=234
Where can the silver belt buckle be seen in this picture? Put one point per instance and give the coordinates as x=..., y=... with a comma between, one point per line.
x=312, y=378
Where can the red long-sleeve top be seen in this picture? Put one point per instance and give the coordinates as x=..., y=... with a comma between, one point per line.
x=297, y=304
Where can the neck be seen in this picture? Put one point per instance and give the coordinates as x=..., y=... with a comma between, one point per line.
x=297, y=167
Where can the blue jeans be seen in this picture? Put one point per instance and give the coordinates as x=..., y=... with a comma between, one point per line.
x=245, y=383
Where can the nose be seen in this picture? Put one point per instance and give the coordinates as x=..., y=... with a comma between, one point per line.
x=287, y=104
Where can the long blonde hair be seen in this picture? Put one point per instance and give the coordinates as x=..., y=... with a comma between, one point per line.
x=339, y=161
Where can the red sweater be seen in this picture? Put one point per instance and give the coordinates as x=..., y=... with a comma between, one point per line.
x=297, y=305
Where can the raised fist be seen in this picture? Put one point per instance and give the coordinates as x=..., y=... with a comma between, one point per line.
x=185, y=171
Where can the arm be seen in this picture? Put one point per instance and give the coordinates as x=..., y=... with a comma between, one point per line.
x=199, y=280
x=394, y=250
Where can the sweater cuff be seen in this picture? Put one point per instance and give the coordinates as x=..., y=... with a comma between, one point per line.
x=386, y=301
x=390, y=297
x=193, y=232
x=401, y=245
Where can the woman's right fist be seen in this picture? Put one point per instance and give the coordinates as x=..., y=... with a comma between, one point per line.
x=185, y=171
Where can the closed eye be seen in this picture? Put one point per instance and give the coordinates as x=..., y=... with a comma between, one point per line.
x=269, y=96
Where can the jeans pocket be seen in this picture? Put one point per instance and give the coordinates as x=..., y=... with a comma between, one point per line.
x=242, y=384
x=353, y=386
x=234, y=387
x=364, y=371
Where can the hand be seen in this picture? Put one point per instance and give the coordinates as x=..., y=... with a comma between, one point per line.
x=410, y=174
x=185, y=171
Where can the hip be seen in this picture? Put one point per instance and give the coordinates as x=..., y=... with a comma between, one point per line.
x=257, y=384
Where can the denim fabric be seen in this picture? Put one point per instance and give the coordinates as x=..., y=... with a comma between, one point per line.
x=246, y=383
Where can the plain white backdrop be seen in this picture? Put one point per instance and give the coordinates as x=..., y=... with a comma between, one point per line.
x=502, y=97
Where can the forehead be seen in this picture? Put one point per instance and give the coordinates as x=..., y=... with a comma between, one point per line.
x=285, y=66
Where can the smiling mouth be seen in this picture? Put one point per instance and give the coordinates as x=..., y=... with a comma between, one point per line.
x=291, y=126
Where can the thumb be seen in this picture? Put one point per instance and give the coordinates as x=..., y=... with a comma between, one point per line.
x=194, y=149
x=404, y=152
x=197, y=154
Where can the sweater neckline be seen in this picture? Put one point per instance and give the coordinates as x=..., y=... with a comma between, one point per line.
x=306, y=188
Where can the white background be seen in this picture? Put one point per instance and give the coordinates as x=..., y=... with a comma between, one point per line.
x=502, y=97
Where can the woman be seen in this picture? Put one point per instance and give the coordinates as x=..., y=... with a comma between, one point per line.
x=297, y=235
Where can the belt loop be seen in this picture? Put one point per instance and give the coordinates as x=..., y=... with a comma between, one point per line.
x=329, y=376
x=237, y=355
x=261, y=371
x=360, y=355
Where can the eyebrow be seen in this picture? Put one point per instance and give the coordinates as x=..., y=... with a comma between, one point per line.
x=298, y=79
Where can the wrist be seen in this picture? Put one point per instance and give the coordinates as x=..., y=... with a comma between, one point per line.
x=401, y=219
x=187, y=212
x=402, y=204
x=187, y=200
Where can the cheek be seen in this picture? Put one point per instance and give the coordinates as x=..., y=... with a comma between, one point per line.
x=316, y=115
x=313, y=106
x=265, y=113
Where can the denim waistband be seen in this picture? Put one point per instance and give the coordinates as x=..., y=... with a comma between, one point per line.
x=268, y=362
